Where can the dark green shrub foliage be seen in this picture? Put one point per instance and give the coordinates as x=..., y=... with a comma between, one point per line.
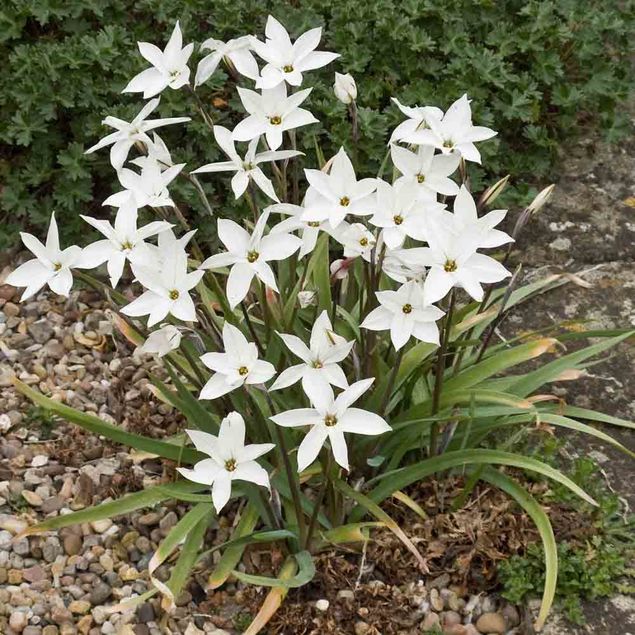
x=536, y=69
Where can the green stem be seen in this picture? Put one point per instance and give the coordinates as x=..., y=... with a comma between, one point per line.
x=294, y=482
x=391, y=382
x=318, y=502
x=440, y=371
x=252, y=330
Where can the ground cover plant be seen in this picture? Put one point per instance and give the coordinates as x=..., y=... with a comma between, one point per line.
x=340, y=346
x=539, y=70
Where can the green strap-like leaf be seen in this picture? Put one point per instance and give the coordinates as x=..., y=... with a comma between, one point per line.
x=306, y=572
x=541, y=520
x=118, y=435
x=374, y=509
x=124, y=505
x=322, y=273
x=497, y=363
x=175, y=537
x=601, y=417
x=187, y=558
x=530, y=382
x=393, y=481
x=232, y=555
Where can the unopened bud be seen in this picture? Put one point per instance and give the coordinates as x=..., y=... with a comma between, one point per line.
x=492, y=192
x=339, y=268
x=537, y=204
x=345, y=88
x=307, y=298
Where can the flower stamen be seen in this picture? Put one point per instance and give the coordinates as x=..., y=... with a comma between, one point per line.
x=330, y=421
x=450, y=266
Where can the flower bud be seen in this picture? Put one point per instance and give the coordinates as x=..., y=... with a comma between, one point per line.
x=492, y=192
x=307, y=298
x=339, y=268
x=537, y=204
x=345, y=88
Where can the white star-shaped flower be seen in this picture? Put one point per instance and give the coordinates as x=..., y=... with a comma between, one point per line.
x=330, y=418
x=248, y=168
x=406, y=314
x=466, y=221
x=356, y=239
x=51, y=264
x=123, y=242
x=162, y=341
x=238, y=365
x=286, y=61
x=426, y=171
x=169, y=67
x=340, y=192
x=168, y=285
x=453, y=260
x=148, y=187
x=400, y=213
x=418, y=118
x=454, y=131
x=248, y=255
x=128, y=133
x=230, y=459
x=271, y=114
x=320, y=359
x=237, y=52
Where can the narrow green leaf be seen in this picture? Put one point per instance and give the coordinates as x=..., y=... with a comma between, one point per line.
x=393, y=481
x=601, y=417
x=118, y=435
x=499, y=362
x=124, y=505
x=541, y=520
x=175, y=537
x=375, y=510
x=187, y=559
x=533, y=380
x=322, y=273
x=306, y=572
x=232, y=555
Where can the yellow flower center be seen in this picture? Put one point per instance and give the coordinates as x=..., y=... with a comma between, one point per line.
x=126, y=245
x=330, y=421
x=421, y=178
x=243, y=370
x=288, y=68
x=313, y=223
x=57, y=266
x=407, y=308
x=450, y=266
x=345, y=201
x=448, y=144
x=363, y=242
x=398, y=219
x=276, y=120
x=252, y=256
x=230, y=465
x=318, y=364
x=174, y=294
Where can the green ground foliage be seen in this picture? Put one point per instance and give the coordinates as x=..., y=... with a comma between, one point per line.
x=537, y=70
x=595, y=564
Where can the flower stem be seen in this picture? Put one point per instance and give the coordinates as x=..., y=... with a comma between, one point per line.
x=294, y=483
x=318, y=502
x=252, y=330
x=440, y=371
x=391, y=382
